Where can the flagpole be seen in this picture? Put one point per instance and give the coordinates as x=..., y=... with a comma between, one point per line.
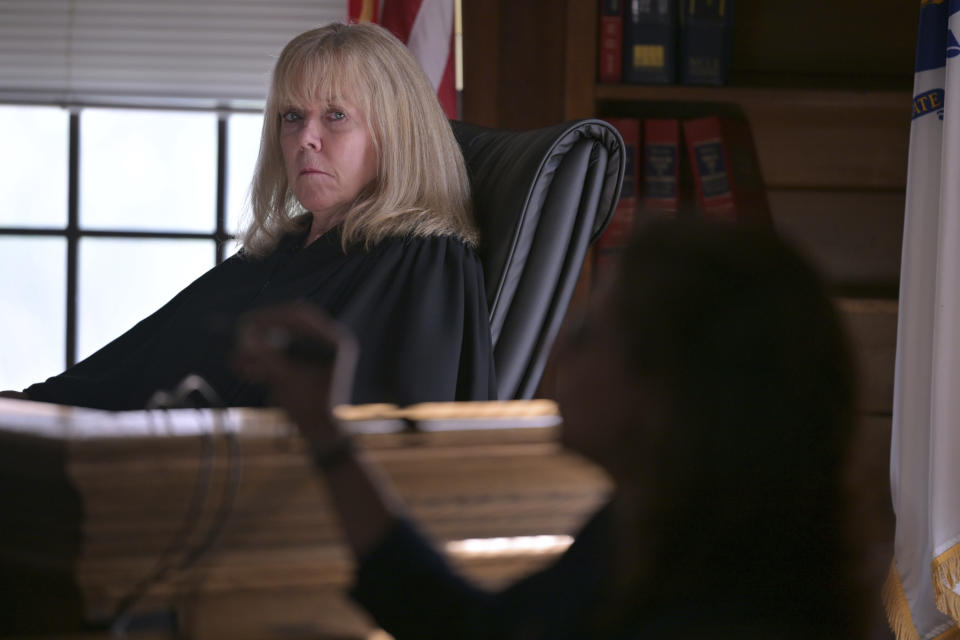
x=458, y=55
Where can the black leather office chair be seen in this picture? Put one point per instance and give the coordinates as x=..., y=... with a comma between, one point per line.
x=540, y=198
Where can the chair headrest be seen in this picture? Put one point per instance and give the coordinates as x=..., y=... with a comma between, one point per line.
x=539, y=198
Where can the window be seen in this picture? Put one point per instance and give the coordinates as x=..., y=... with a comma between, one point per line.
x=148, y=170
x=33, y=320
x=105, y=214
x=130, y=131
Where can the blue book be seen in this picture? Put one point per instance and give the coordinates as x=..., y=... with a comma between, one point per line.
x=705, y=33
x=650, y=42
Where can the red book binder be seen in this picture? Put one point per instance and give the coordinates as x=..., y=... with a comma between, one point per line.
x=661, y=164
x=611, y=41
x=726, y=170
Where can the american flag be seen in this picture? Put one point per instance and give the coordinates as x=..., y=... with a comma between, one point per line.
x=426, y=27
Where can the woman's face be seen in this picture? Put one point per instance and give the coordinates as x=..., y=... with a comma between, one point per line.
x=328, y=154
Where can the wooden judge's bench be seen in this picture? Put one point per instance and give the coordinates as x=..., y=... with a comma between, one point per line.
x=213, y=524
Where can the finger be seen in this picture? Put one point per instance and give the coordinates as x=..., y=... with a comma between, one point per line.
x=300, y=331
x=300, y=318
x=275, y=345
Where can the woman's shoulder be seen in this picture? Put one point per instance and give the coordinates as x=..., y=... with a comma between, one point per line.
x=442, y=244
x=444, y=253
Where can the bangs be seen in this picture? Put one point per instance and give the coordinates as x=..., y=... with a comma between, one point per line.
x=319, y=74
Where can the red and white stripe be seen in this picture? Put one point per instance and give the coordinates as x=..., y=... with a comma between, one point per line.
x=426, y=27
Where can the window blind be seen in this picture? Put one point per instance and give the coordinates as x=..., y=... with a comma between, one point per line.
x=206, y=53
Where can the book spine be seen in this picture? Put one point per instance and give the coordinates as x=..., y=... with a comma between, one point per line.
x=709, y=161
x=649, y=42
x=618, y=232
x=749, y=191
x=611, y=41
x=706, y=27
x=661, y=164
x=726, y=170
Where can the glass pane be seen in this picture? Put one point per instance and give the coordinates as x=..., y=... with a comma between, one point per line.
x=122, y=281
x=34, y=166
x=243, y=145
x=34, y=318
x=148, y=170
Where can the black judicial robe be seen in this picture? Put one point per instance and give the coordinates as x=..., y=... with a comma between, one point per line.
x=416, y=305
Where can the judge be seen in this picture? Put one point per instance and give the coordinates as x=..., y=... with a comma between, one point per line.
x=360, y=207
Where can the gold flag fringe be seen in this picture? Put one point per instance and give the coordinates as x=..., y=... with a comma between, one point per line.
x=898, y=610
x=945, y=570
x=949, y=634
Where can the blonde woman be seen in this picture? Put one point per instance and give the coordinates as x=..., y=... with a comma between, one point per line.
x=361, y=207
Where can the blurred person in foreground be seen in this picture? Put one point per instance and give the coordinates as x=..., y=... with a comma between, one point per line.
x=713, y=382
x=360, y=206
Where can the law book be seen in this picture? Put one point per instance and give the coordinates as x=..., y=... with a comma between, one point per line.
x=650, y=41
x=618, y=232
x=726, y=170
x=705, y=34
x=610, y=56
x=661, y=164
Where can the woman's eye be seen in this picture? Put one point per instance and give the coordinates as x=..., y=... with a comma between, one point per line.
x=337, y=115
x=290, y=116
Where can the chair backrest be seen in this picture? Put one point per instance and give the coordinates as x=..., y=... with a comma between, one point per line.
x=540, y=198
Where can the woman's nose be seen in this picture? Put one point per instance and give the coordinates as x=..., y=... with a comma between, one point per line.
x=310, y=137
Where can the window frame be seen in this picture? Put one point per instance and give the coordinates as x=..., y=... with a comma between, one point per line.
x=72, y=233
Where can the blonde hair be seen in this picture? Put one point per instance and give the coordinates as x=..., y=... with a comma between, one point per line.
x=421, y=186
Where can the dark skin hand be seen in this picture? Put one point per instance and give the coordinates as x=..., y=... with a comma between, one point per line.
x=283, y=349
x=307, y=362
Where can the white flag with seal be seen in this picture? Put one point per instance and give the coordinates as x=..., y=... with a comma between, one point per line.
x=922, y=596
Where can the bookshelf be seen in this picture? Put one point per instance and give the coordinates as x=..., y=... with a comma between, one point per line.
x=825, y=86
x=815, y=48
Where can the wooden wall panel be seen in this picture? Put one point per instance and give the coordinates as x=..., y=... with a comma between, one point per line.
x=528, y=64
x=831, y=139
x=532, y=69
x=580, y=59
x=853, y=237
x=872, y=326
x=825, y=36
x=481, y=62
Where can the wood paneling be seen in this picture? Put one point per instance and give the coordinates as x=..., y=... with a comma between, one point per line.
x=825, y=36
x=872, y=326
x=532, y=69
x=481, y=62
x=853, y=237
x=580, y=59
x=528, y=64
x=831, y=139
